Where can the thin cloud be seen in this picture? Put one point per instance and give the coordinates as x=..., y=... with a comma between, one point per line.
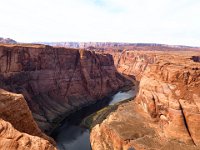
x=166, y=21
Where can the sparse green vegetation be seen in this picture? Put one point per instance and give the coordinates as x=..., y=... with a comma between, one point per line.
x=97, y=117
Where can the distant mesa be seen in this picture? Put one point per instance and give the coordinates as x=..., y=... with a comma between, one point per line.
x=121, y=46
x=7, y=41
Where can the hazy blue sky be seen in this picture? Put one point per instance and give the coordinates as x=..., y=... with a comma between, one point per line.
x=157, y=21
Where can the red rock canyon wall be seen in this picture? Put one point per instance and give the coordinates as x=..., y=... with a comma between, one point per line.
x=55, y=81
x=18, y=130
x=166, y=111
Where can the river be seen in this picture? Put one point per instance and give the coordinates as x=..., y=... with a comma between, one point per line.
x=71, y=136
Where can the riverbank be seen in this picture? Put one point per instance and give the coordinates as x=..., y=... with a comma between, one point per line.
x=98, y=117
x=74, y=135
x=97, y=104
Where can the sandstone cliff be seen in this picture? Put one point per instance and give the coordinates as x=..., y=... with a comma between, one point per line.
x=165, y=113
x=18, y=130
x=55, y=81
x=134, y=63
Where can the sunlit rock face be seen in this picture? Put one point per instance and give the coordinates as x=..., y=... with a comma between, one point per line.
x=133, y=63
x=18, y=130
x=55, y=81
x=166, y=111
x=170, y=92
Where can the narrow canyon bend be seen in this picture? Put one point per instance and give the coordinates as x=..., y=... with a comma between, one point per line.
x=50, y=83
x=42, y=85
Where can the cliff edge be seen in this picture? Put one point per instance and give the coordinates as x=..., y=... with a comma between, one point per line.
x=56, y=81
x=18, y=130
x=165, y=113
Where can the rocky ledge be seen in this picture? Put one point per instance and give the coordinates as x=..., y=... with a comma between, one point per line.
x=166, y=111
x=18, y=130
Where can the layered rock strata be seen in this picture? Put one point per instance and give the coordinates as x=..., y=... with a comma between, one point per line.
x=168, y=103
x=18, y=130
x=55, y=81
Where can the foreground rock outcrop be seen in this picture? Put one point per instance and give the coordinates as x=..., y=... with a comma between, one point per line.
x=166, y=111
x=18, y=130
x=128, y=128
x=55, y=81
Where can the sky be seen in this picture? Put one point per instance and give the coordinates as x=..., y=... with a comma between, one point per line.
x=175, y=22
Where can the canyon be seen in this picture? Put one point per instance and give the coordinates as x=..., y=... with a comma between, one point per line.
x=165, y=113
x=41, y=85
